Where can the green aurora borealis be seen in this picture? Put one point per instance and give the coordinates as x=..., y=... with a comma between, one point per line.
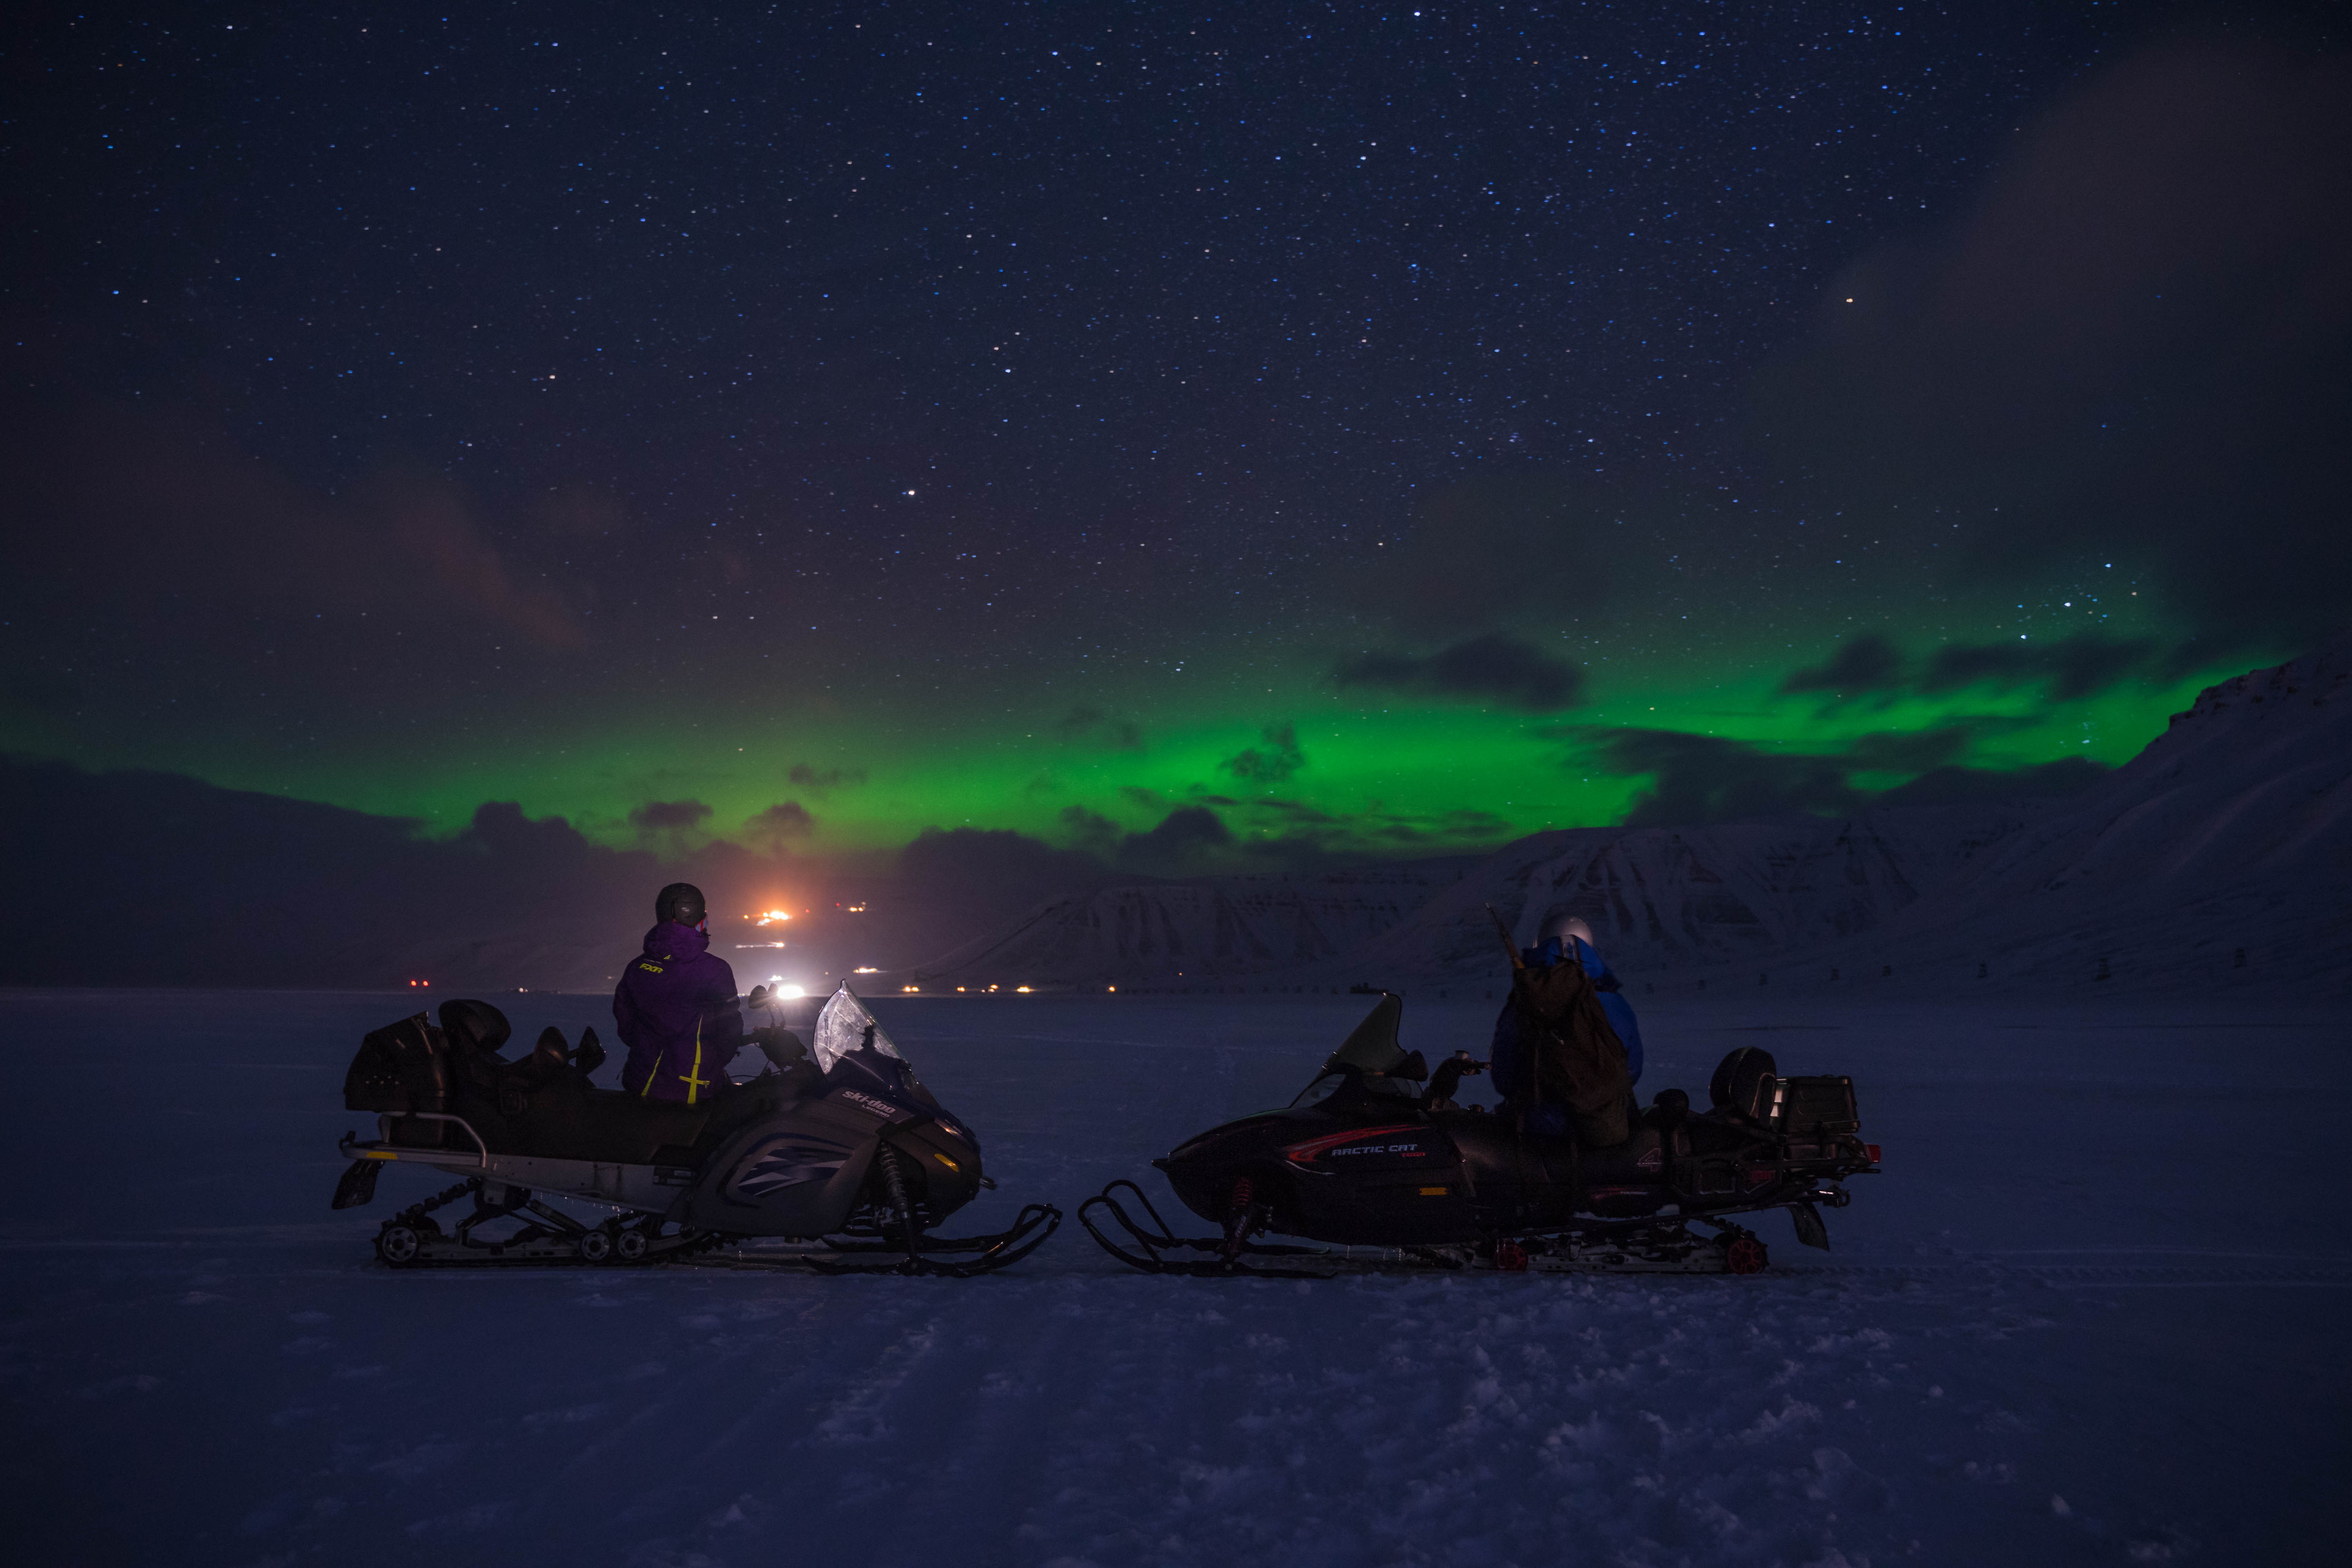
x=1200, y=443
x=1376, y=775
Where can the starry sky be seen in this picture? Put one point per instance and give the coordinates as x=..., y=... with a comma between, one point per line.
x=1193, y=438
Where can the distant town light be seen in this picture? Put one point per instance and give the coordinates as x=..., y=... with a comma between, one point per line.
x=1022, y=990
x=865, y=969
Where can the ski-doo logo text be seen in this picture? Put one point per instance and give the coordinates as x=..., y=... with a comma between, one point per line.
x=878, y=1106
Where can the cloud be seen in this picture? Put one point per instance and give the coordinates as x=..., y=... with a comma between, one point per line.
x=1708, y=778
x=783, y=822
x=818, y=781
x=2075, y=667
x=431, y=521
x=1280, y=758
x=668, y=815
x=1494, y=668
x=1091, y=833
x=2135, y=347
x=1865, y=663
x=1184, y=839
x=991, y=870
x=1088, y=722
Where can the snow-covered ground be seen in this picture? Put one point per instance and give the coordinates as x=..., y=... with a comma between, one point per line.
x=2093, y=1311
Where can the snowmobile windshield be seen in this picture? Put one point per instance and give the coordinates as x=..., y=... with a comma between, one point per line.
x=1331, y=1083
x=1372, y=1050
x=845, y=1027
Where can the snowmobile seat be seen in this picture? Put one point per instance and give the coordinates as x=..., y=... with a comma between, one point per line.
x=553, y=1051
x=474, y=1027
x=1636, y=1162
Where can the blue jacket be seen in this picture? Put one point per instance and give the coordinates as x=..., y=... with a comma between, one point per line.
x=675, y=1010
x=1514, y=1073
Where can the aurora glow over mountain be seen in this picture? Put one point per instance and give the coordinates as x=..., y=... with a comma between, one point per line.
x=1292, y=433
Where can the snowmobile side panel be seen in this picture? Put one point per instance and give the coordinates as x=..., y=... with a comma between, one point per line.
x=1402, y=1183
x=798, y=1181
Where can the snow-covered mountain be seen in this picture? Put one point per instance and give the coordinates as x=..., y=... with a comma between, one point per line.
x=1197, y=933
x=1664, y=899
x=2222, y=854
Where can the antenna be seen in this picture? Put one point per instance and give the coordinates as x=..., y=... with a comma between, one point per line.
x=1503, y=933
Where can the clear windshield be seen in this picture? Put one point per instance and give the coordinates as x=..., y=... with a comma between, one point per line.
x=1321, y=1090
x=846, y=1026
x=1373, y=1048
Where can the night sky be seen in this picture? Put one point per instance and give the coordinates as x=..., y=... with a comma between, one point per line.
x=1200, y=437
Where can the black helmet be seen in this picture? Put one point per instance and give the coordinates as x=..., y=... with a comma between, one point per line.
x=680, y=902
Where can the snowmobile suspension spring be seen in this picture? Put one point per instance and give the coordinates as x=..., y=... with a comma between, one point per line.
x=449, y=1196
x=1239, y=1198
x=894, y=1182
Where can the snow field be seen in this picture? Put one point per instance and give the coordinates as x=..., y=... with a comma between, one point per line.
x=2081, y=1318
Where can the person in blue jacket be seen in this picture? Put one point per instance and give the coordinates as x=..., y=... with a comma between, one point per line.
x=675, y=1007
x=1514, y=1073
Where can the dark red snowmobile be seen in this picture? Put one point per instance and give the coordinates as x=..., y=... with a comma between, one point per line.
x=1376, y=1160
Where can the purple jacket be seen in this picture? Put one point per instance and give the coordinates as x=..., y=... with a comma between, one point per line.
x=675, y=1009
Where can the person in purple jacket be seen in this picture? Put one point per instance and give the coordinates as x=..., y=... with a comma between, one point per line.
x=675, y=1007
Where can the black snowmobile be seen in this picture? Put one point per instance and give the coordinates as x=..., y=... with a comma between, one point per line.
x=835, y=1159
x=1375, y=1159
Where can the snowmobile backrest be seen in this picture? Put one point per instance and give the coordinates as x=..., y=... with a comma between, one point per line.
x=1738, y=1082
x=401, y=1066
x=553, y=1051
x=474, y=1027
x=1372, y=1050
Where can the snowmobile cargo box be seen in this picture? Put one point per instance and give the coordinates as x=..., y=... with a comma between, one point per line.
x=1796, y=1107
x=401, y=1066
